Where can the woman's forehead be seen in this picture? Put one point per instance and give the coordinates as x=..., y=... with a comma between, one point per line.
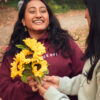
x=36, y=3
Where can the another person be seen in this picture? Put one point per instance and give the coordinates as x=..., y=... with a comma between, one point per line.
x=4, y=1
x=20, y=2
x=87, y=84
x=36, y=20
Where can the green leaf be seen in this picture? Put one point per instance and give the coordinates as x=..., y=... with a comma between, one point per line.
x=20, y=46
x=28, y=67
x=26, y=73
x=46, y=72
x=43, y=76
x=24, y=79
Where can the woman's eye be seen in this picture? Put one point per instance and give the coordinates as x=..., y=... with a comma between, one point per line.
x=32, y=12
x=43, y=11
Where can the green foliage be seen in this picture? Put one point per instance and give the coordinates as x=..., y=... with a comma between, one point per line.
x=13, y=3
x=27, y=72
x=20, y=46
x=65, y=5
x=57, y=5
x=46, y=72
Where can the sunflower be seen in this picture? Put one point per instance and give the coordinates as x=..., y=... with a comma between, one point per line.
x=31, y=43
x=17, y=68
x=39, y=68
x=27, y=56
x=35, y=46
x=40, y=49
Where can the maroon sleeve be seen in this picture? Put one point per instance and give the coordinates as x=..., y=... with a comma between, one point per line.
x=12, y=89
x=77, y=63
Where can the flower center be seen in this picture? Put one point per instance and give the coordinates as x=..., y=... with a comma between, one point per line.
x=38, y=66
x=29, y=56
x=18, y=65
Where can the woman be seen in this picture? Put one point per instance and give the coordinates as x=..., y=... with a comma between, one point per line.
x=86, y=85
x=36, y=20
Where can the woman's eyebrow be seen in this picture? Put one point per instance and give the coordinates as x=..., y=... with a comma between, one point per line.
x=32, y=7
x=42, y=7
x=35, y=7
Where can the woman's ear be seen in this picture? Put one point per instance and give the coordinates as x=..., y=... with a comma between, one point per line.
x=23, y=22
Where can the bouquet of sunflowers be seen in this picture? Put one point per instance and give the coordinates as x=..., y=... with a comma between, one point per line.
x=29, y=62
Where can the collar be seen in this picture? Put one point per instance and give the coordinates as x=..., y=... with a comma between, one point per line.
x=44, y=37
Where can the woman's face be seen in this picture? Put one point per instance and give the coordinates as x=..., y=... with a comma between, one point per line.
x=36, y=16
x=87, y=16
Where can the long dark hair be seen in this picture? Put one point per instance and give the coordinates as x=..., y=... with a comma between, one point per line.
x=93, y=39
x=58, y=38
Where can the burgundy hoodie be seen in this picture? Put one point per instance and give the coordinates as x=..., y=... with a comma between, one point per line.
x=58, y=65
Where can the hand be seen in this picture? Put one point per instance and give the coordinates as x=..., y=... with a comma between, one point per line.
x=32, y=83
x=47, y=82
x=51, y=80
x=42, y=90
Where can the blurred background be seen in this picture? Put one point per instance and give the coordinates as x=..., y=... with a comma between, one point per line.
x=56, y=5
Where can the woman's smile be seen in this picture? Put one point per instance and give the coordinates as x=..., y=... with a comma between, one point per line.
x=38, y=22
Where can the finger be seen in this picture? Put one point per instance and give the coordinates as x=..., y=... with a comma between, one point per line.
x=32, y=83
x=41, y=90
x=34, y=89
x=49, y=78
x=29, y=78
x=46, y=86
x=39, y=86
x=46, y=82
x=43, y=83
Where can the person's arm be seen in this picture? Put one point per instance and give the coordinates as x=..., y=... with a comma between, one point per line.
x=12, y=89
x=52, y=93
x=98, y=87
x=66, y=85
x=20, y=3
x=77, y=63
x=70, y=86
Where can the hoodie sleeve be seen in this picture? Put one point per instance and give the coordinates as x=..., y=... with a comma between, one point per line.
x=70, y=86
x=77, y=63
x=53, y=94
x=12, y=89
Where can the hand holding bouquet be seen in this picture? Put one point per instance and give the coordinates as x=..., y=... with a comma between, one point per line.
x=29, y=62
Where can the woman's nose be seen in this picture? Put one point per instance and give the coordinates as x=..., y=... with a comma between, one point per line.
x=38, y=14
